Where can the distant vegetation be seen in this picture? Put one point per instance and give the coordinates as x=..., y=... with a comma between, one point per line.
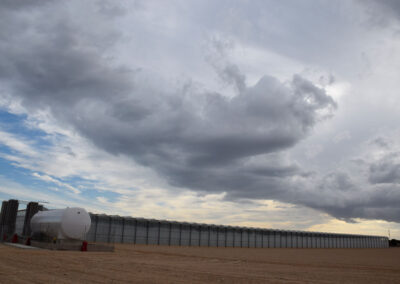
x=394, y=243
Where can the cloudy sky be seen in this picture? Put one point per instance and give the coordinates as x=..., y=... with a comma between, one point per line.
x=275, y=114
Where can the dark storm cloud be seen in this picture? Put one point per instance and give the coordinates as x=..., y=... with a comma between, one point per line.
x=391, y=7
x=386, y=170
x=22, y=4
x=203, y=141
x=382, y=12
x=381, y=142
x=69, y=74
x=347, y=198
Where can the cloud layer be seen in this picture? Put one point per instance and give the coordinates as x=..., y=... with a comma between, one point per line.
x=210, y=130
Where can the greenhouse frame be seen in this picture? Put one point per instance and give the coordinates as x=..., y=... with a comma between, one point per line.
x=116, y=229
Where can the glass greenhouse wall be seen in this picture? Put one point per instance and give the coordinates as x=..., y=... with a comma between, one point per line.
x=116, y=229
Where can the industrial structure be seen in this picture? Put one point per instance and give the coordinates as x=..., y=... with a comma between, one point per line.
x=62, y=224
x=116, y=229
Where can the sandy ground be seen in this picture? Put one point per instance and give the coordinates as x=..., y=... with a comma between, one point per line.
x=160, y=264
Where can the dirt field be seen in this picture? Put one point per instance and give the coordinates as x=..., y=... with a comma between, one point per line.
x=152, y=264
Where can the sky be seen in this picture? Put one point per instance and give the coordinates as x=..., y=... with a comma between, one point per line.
x=271, y=114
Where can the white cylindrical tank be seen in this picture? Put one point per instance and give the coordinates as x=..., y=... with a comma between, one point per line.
x=69, y=223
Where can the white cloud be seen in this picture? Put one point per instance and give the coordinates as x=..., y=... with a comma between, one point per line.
x=19, y=144
x=57, y=182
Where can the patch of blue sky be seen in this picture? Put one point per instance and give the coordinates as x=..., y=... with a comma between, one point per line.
x=86, y=183
x=80, y=183
x=6, y=196
x=13, y=172
x=5, y=150
x=25, y=178
x=92, y=194
x=16, y=124
x=89, y=188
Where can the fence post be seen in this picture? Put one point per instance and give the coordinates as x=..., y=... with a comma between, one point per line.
x=190, y=235
x=226, y=236
x=159, y=231
x=217, y=236
x=293, y=238
x=234, y=237
x=169, y=233
x=96, y=218
x=147, y=231
x=123, y=230
x=180, y=234
x=109, y=230
x=262, y=238
x=135, y=232
x=199, y=235
x=287, y=239
x=241, y=237
x=209, y=233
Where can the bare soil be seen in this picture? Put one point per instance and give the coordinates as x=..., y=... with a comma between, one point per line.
x=162, y=264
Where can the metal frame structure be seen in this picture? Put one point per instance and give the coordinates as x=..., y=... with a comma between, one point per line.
x=118, y=229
